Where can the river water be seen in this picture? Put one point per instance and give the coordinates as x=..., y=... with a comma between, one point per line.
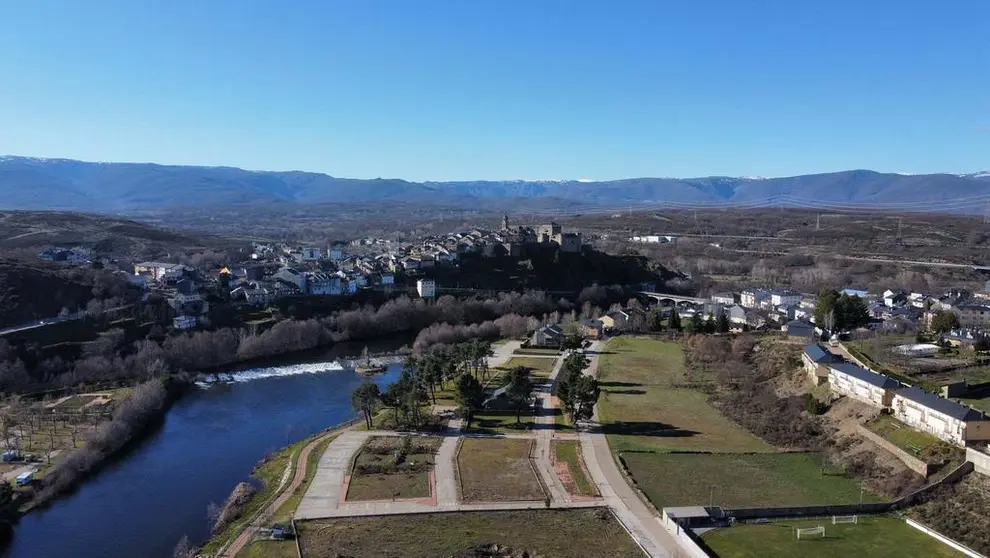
x=141, y=505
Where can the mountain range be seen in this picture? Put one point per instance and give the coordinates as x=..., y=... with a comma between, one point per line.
x=33, y=183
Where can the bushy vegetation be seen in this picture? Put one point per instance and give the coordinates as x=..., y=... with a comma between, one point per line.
x=961, y=512
x=144, y=406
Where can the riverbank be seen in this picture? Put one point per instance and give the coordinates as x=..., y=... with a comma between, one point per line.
x=138, y=415
x=279, y=497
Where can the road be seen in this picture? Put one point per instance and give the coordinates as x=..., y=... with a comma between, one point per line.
x=639, y=518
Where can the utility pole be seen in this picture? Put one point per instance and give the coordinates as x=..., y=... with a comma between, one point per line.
x=986, y=213
x=900, y=225
x=818, y=222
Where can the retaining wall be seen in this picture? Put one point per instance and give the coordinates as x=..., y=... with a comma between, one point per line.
x=918, y=466
x=945, y=540
x=689, y=543
x=980, y=461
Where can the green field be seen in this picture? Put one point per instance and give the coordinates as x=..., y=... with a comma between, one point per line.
x=875, y=537
x=545, y=533
x=902, y=435
x=500, y=422
x=642, y=408
x=538, y=367
x=740, y=480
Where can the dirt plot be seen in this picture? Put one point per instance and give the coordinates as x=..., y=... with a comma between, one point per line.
x=497, y=470
x=584, y=533
x=570, y=468
x=393, y=467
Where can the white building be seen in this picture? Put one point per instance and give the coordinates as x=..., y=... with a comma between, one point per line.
x=159, y=271
x=320, y=283
x=754, y=298
x=427, y=288
x=943, y=418
x=184, y=323
x=785, y=297
x=311, y=254
x=847, y=379
x=725, y=299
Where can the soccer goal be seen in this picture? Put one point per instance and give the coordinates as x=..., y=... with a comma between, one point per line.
x=811, y=532
x=837, y=519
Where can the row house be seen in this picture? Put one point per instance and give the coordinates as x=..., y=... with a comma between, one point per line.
x=847, y=379
x=941, y=417
x=816, y=360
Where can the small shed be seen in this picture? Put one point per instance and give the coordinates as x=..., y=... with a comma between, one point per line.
x=25, y=478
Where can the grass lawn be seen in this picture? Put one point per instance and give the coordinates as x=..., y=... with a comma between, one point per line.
x=560, y=420
x=902, y=435
x=545, y=533
x=981, y=404
x=269, y=549
x=538, y=367
x=378, y=475
x=536, y=351
x=642, y=409
x=873, y=536
x=75, y=402
x=497, y=470
x=500, y=422
x=744, y=480
x=568, y=453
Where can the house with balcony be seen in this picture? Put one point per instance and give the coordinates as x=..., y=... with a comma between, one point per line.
x=950, y=421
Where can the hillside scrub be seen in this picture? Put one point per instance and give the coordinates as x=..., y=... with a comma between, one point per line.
x=742, y=377
x=145, y=405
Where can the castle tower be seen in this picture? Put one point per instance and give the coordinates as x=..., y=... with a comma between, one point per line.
x=505, y=222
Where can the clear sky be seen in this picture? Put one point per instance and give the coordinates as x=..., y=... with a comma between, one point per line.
x=492, y=89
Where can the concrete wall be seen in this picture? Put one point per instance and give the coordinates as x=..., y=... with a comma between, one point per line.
x=980, y=461
x=686, y=540
x=913, y=463
x=945, y=540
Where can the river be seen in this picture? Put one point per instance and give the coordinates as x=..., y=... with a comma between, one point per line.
x=141, y=505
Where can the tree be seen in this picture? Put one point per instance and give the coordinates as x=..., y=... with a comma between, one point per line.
x=723, y=325
x=518, y=390
x=365, y=400
x=824, y=306
x=710, y=326
x=470, y=397
x=582, y=397
x=943, y=321
x=695, y=324
x=674, y=323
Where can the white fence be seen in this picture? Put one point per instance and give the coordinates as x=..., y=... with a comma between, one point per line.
x=945, y=540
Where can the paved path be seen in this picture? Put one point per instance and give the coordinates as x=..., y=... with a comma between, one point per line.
x=544, y=436
x=638, y=518
x=302, y=462
x=324, y=492
x=446, y=478
x=502, y=353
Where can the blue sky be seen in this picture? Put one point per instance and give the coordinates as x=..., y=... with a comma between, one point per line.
x=492, y=89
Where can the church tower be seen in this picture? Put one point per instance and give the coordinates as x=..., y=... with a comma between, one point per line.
x=505, y=222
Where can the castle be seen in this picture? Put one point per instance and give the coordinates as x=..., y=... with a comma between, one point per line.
x=550, y=233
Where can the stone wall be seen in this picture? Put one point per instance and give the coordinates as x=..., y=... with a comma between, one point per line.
x=918, y=466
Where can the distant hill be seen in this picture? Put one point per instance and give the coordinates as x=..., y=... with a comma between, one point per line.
x=31, y=183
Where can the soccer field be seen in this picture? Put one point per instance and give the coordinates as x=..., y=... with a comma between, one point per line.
x=873, y=536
